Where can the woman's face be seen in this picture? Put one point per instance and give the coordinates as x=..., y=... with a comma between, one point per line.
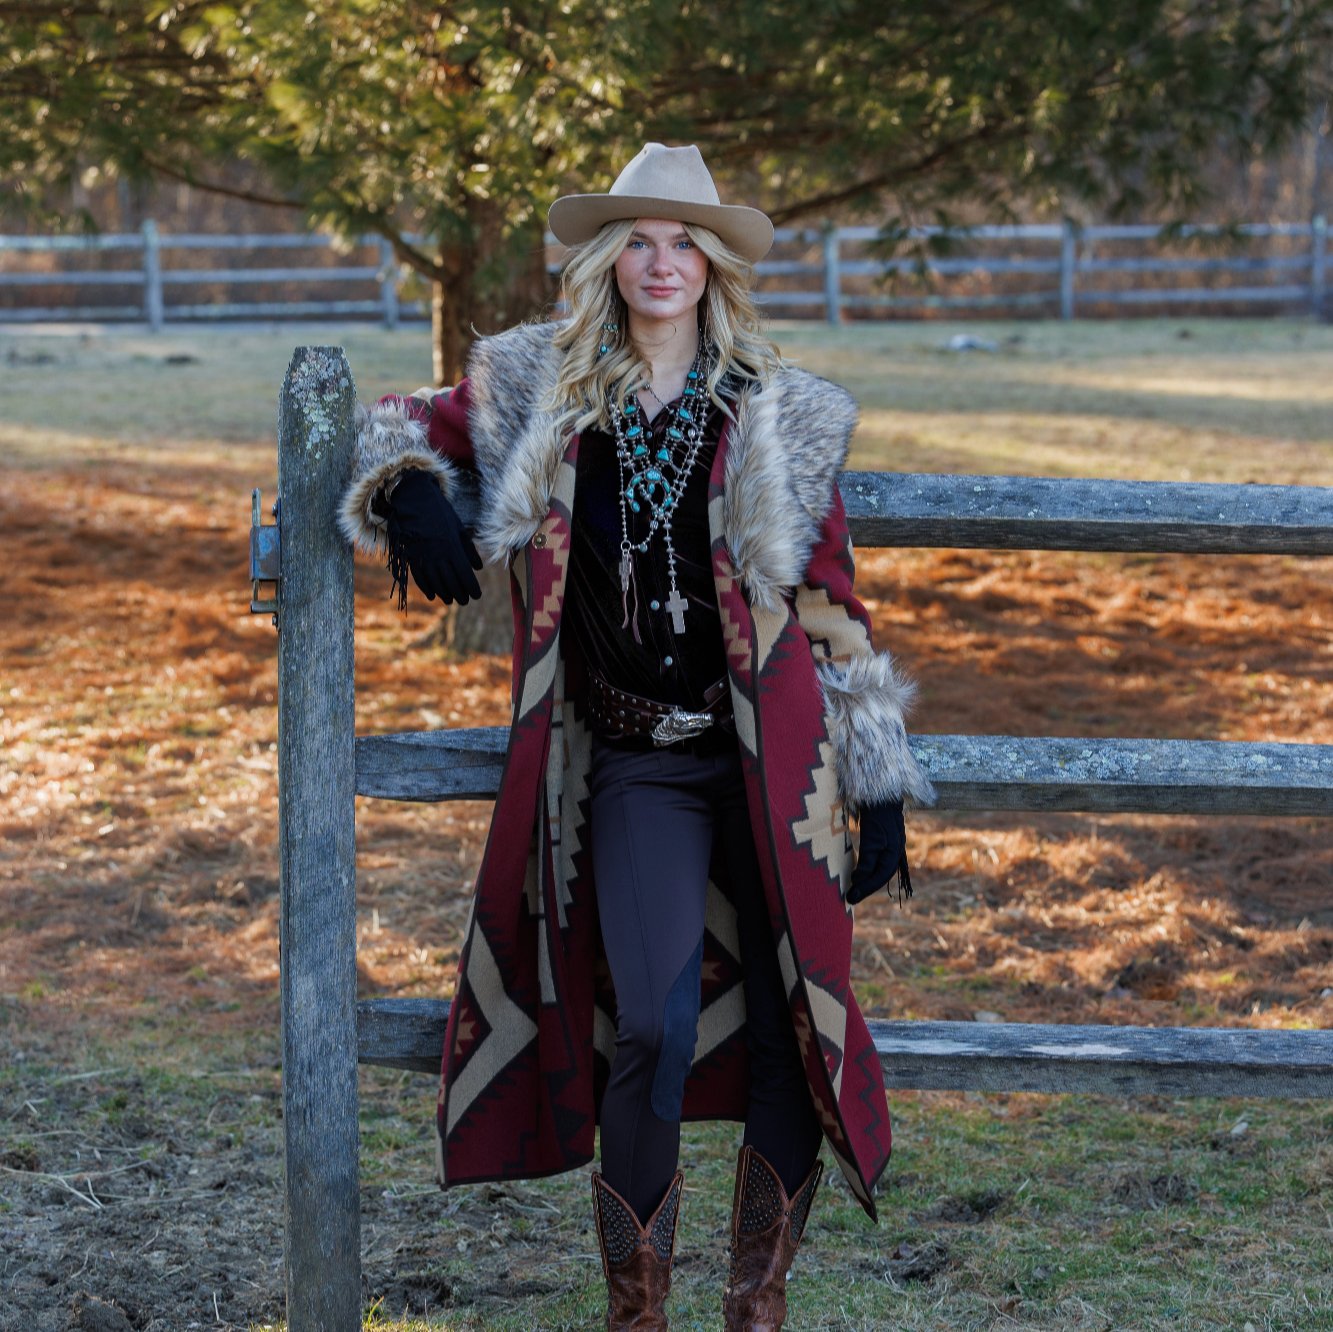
x=660, y=273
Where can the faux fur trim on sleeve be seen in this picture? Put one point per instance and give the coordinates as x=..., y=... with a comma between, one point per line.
x=866, y=705
x=389, y=442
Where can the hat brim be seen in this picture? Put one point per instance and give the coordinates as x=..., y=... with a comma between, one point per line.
x=577, y=218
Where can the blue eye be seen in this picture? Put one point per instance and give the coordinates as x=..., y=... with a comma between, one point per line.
x=685, y=245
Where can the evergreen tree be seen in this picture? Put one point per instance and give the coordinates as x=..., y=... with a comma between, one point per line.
x=460, y=122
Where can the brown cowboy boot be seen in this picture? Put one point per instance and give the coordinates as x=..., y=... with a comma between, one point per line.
x=636, y=1258
x=766, y=1228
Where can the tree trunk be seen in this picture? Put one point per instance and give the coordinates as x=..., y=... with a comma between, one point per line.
x=1321, y=160
x=495, y=283
x=494, y=286
x=447, y=352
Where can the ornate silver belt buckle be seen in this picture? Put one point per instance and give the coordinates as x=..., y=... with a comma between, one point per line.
x=680, y=725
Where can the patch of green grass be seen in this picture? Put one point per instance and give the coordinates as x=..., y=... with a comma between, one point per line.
x=1161, y=399
x=1046, y=1211
x=1167, y=399
x=1090, y=1212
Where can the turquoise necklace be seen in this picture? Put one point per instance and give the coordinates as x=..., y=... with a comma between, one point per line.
x=655, y=479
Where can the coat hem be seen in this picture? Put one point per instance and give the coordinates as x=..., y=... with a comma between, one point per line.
x=868, y=1203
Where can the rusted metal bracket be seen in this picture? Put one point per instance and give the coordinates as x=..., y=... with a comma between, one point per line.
x=265, y=560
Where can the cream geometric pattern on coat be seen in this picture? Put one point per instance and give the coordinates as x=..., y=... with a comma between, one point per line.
x=768, y=627
x=838, y=635
x=824, y=828
x=830, y=1015
x=720, y=920
x=721, y=1020
x=828, y=1011
x=538, y=679
x=571, y=749
x=511, y=1030
x=557, y=546
x=742, y=710
x=735, y=640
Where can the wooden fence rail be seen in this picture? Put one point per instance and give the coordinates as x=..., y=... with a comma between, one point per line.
x=988, y=1056
x=323, y=766
x=838, y=270
x=969, y=772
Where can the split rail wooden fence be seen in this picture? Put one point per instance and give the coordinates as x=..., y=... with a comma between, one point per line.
x=324, y=766
x=815, y=271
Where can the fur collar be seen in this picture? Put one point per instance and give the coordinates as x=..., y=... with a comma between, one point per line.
x=784, y=451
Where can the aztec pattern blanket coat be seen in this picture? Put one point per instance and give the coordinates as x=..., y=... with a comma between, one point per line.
x=820, y=720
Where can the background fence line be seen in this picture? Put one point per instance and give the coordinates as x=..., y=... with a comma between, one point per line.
x=828, y=272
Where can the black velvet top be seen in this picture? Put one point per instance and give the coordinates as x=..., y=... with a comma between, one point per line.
x=660, y=663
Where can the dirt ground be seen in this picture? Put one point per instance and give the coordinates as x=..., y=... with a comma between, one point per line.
x=138, y=882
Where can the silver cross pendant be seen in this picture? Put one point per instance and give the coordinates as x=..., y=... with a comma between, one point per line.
x=676, y=605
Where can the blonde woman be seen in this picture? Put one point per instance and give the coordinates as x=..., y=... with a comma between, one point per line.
x=662, y=922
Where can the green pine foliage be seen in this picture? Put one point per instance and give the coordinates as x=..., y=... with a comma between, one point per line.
x=460, y=122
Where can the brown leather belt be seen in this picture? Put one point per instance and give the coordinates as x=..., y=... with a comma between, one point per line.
x=616, y=714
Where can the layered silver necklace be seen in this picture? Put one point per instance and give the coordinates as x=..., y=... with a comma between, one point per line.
x=655, y=477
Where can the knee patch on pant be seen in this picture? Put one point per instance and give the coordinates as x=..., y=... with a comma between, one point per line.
x=680, y=1034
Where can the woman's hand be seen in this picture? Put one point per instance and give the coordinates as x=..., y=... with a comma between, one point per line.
x=427, y=538
x=883, y=850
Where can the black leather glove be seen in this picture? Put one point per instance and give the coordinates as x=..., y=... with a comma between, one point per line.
x=427, y=538
x=883, y=851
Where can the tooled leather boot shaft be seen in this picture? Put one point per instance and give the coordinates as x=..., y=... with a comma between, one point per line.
x=636, y=1257
x=766, y=1230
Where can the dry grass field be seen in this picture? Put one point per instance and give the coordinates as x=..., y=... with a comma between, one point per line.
x=139, y=1097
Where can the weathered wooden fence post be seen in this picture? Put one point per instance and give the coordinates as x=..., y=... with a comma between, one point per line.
x=316, y=812
x=1068, y=268
x=832, y=276
x=153, y=310
x=388, y=283
x=1318, y=263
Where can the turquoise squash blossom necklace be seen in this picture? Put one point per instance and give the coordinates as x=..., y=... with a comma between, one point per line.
x=654, y=478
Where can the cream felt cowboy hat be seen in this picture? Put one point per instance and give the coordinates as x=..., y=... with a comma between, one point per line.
x=664, y=182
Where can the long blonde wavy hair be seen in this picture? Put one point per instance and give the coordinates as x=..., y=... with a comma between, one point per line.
x=589, y=378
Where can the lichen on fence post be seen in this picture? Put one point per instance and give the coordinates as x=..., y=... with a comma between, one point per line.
x=316, y=811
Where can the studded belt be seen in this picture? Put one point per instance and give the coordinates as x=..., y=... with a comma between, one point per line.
x=616, y=714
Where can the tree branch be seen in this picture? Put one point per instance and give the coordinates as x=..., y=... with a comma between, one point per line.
x=989, y=133
x=214, y=187
x=404, y=250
